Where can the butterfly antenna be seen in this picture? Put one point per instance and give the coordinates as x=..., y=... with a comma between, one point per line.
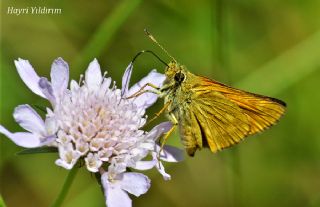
x=152, y=53
x=155, y=41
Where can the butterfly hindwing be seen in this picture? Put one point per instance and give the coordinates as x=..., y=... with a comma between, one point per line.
x=219, y=122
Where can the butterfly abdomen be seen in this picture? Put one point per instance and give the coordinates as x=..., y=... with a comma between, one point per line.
x=190, y=132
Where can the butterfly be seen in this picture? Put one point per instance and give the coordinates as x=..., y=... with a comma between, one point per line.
x=210, y=114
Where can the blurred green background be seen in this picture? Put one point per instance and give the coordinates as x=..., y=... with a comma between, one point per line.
x=271, y=47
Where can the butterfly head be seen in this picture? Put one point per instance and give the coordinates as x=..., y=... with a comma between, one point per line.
x=175, y=72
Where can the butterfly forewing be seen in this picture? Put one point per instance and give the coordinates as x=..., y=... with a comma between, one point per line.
x=262, y=111
x=219, y=116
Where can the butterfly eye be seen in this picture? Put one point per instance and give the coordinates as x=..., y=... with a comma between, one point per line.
x=179, y=77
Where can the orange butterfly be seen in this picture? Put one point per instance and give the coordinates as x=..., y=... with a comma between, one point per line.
x=209, y=113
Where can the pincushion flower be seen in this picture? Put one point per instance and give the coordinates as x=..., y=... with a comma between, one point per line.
x=94, y=121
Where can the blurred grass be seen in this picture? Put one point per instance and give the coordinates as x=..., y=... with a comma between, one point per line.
x=104, y=34
x=287, y=69
x=272, y=48
x=2, y=204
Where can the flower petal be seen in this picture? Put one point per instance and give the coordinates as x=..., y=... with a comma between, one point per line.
x=29, y=76
x=105, y=85
x=68, y=156
x=51, y=125
x=59, y=76
x=126, y=79
x=135, y=183
x=158, y=130
x=117, y=167
x=160, y=168
x=170, y=153
x=74, y=85
x=48, y=140
x=93, y=77
x=147, y=99
x=47, y=90
x=29, y=119
x=118, y=198
x=93, y=162
x=115, y=196
x=145, y=165
x=23, y=139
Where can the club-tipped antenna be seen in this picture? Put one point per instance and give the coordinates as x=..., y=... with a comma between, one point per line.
x=155, y=41
x=152, y=53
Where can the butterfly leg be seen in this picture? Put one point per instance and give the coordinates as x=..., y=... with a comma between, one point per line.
x=142, y=91
x=160, y=112
x=174, y=121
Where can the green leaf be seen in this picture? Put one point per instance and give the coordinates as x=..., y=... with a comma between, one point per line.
x=38, y=150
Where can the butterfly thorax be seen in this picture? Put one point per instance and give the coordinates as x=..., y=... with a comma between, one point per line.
x=175, y=90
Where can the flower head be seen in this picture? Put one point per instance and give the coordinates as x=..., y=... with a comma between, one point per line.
x=92, y=120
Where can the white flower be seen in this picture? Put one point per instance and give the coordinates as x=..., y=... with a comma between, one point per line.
x=40, y=132
x=93, y=121
x=116, y=187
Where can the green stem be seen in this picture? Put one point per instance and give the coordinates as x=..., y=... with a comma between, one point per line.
x=66, y=186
